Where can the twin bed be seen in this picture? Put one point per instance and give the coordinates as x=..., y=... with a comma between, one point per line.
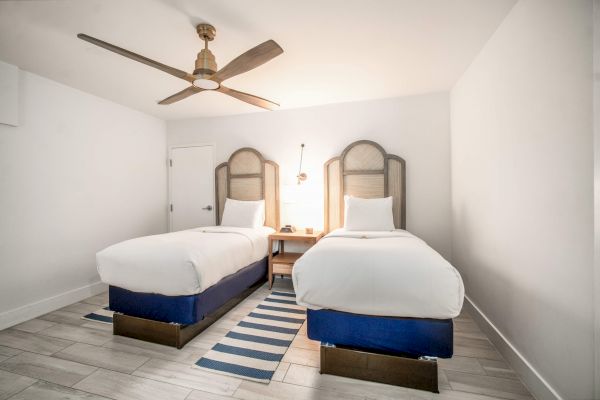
x=168, y=288
x=379, y=299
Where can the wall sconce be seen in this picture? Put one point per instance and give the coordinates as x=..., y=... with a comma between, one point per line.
x=301, y=175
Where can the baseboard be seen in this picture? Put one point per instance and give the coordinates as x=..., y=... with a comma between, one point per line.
x=41, y=307
x=536, y=384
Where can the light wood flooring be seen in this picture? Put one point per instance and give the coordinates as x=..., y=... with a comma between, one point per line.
x=61, y=356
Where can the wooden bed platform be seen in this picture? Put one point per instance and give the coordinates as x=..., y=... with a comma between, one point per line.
x=394, y=370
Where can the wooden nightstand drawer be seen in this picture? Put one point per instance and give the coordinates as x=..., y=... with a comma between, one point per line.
x=286, y=258
x=282, y=269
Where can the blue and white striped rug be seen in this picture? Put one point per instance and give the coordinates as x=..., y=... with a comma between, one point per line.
x=103, y=315
x=254, y=347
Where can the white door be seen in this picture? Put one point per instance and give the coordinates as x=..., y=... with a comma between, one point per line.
x=192, y=188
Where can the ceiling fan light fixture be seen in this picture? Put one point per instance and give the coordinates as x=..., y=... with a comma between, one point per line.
x=206, y=84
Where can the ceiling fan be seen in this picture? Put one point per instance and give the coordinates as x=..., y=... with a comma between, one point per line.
x=206, y=76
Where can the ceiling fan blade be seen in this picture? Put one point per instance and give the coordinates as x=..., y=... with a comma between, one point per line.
x=249, y=60
x=136, y=57
x=187, y=92
x=248, y=98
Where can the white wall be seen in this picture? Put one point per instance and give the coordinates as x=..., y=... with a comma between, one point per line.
x=415, y=128
x=597, y=186
x=78, y=174
x=522, y=196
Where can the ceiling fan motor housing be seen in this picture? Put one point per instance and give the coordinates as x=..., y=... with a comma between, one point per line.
x=206, y=65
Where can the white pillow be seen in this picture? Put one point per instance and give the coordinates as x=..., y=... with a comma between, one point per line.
x=243, y=214
x=368, y=214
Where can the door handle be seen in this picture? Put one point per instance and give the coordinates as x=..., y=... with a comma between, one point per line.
x=209, y=208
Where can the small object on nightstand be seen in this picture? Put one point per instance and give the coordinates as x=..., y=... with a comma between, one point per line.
x=288, y=229
x=283, y=263
x=308, y=230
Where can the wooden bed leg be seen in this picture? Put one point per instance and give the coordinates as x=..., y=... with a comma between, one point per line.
x=394, y=370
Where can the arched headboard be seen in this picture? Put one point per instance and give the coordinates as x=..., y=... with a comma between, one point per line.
x=364, y=170
x=248, y=176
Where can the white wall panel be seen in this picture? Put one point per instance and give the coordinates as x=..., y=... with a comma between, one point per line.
x=80, y=173
x=415, y=128
x=522, y=190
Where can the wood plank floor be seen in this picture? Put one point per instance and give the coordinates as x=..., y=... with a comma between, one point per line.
x=61, y=356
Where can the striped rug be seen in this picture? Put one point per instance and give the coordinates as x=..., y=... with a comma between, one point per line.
x=103, y=315
x=254, y=347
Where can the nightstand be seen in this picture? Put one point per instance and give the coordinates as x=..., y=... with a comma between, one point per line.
x=283, y=263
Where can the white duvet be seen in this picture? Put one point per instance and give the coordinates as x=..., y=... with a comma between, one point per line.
x=378, y=273
x=181, y=263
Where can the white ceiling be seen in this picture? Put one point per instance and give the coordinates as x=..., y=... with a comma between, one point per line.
x=335, y=50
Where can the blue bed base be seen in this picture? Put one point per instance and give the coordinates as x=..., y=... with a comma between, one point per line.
x=186, y=310
x=413, y=337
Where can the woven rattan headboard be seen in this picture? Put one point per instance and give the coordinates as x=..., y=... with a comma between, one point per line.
x=365, y=170
x=248, y=176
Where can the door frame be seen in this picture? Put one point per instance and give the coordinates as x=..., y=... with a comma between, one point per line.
x=170, y=169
